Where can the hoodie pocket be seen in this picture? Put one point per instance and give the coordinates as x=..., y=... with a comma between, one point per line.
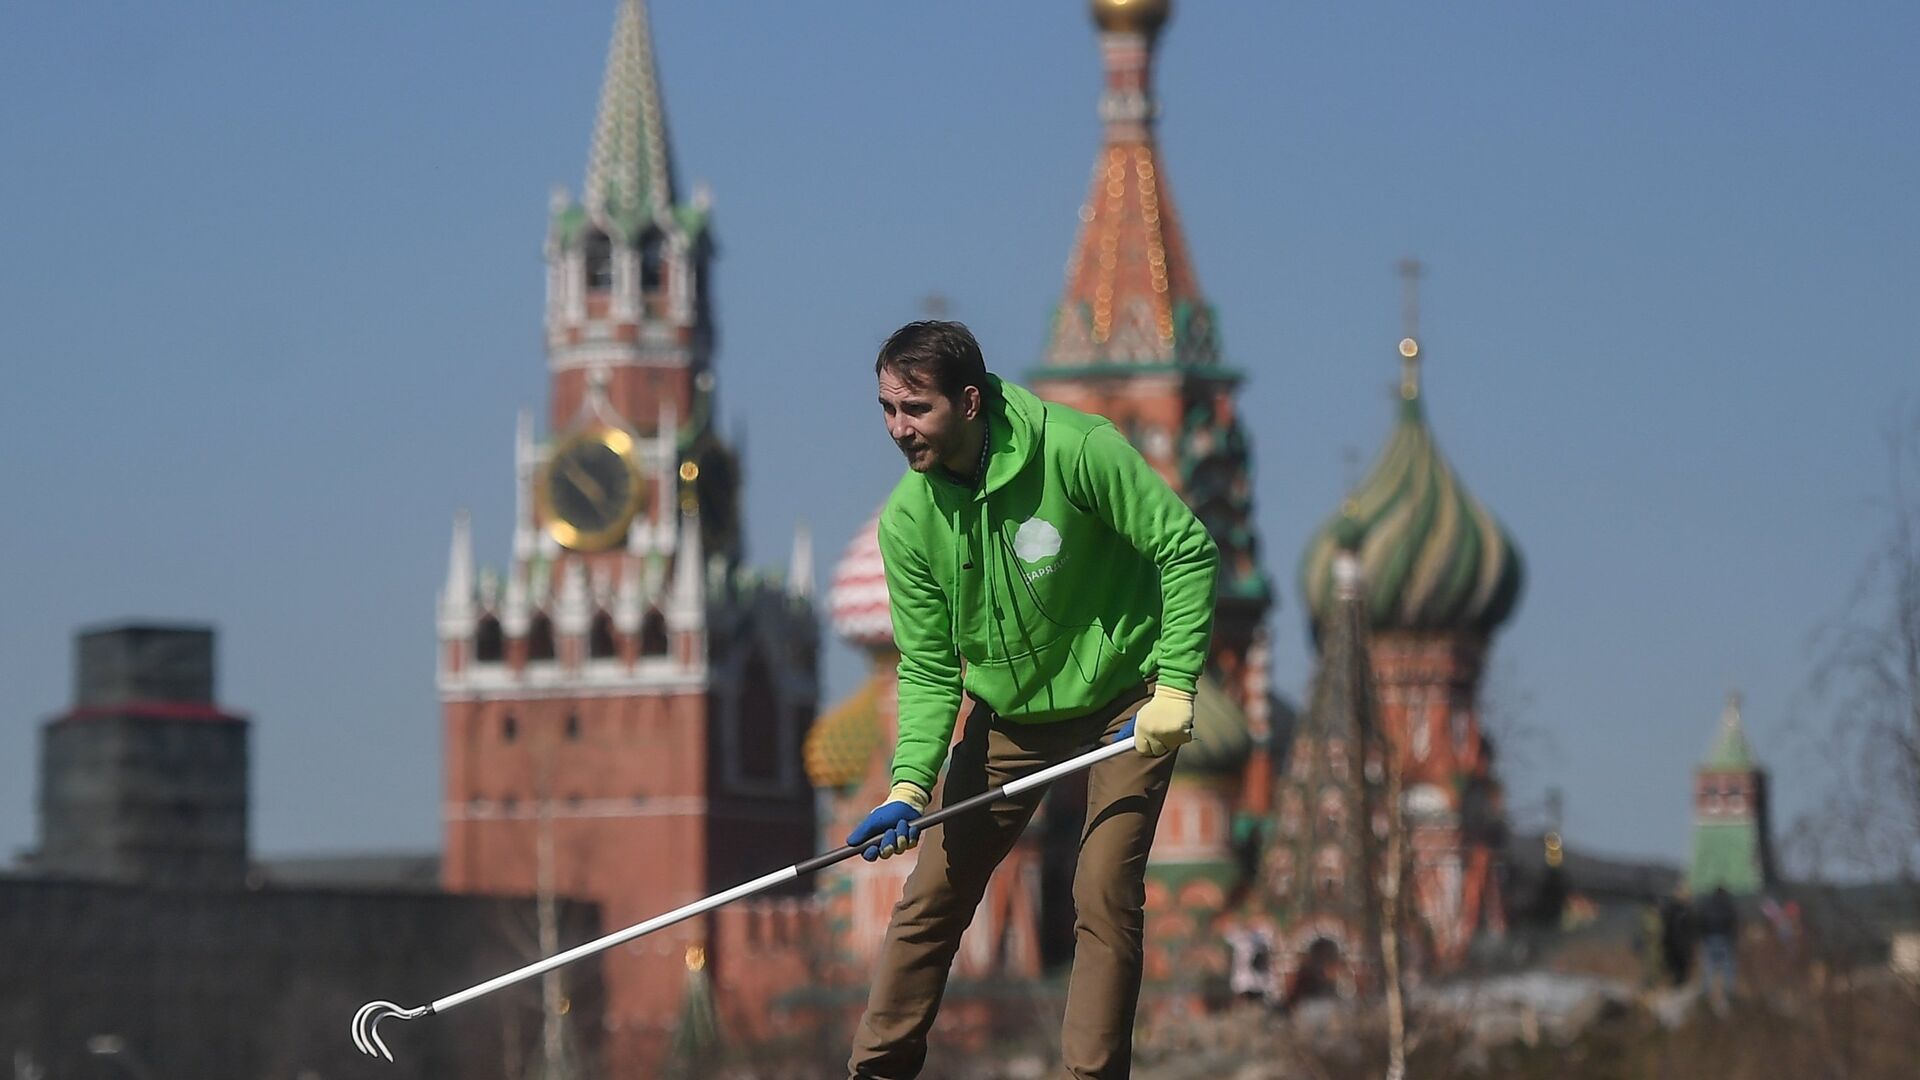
x=1070, y=675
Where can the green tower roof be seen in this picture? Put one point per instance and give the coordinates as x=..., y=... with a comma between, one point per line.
x=629, y=178
x=1730, y=748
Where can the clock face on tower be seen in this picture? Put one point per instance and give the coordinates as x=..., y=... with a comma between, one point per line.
x=590, y=489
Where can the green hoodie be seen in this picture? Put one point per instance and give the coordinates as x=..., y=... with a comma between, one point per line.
x=1071, y=574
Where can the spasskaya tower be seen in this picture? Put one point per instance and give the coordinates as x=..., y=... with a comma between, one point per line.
x=623, y=706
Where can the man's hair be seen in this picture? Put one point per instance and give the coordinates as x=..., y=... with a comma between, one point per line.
x=939, y=354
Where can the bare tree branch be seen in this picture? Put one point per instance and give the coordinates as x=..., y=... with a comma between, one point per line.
x=1867, y=677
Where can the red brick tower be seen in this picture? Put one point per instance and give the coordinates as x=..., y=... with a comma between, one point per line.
x=1439, y=576
x=623, y=713
x=1135, y=340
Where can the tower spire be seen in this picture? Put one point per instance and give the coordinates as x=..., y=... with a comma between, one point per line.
x=1132, y=296
x=457, y=598
x=629, y=173
x=800, y=566
x=1730, y=747
x=524, y=464
x=687, y=606
x=1411, y=271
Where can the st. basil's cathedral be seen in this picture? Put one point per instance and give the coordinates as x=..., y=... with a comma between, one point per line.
x=631, y=715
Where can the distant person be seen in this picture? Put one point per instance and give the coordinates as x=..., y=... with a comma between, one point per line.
x=1648, y=942
x=1719, y=928
x=1676, y=937
x=1047, y=581
x=1317, y=976
x=1251, y=975
x=1784, y=918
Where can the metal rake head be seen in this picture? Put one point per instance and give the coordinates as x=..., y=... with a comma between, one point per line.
x=366, y=1025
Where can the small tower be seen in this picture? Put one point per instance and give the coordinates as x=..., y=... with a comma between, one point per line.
x=1321, y=872
x=629, y=267
x=631, y=699
x=1732, y=845
x=144, y=780
x=1134, y=339
x=1439, y=575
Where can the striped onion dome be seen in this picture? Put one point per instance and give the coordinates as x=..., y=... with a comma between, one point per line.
x=1431, y=556
x=857, y=599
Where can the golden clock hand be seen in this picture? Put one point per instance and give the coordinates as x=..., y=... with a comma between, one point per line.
x=586, y=483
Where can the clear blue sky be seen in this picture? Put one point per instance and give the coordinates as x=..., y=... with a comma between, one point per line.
x=271, y=293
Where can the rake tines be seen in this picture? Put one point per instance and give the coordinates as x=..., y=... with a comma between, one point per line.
x=366, y=1025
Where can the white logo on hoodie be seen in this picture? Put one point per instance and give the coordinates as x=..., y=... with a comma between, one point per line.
x=1036, y=540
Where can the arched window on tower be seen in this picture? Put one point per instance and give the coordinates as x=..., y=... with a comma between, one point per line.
x=1329, y=873
x=599, y=261
x=1337, y=758
x=601, y=644
x=1280, y=874
x=760, y=722
x=1420, y=727
x=1292, y=809
x=489, y=644
x=652, y=262
x=1333, y=814
x=540, y=638
x=653, y=634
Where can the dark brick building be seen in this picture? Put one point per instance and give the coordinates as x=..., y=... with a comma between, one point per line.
x=140, y=940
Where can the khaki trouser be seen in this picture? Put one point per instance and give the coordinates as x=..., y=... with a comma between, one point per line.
x=1124, y=796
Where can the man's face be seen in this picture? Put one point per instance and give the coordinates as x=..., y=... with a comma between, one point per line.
x=928, y=428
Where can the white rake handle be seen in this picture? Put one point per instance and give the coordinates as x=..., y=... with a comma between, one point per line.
x=365, y=1021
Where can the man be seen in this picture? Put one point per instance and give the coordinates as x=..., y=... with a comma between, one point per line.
x=1038, y=566
x=1719, y=928
x=1676, y=935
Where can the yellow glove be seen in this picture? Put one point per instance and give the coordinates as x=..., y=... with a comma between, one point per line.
x=1163, y=723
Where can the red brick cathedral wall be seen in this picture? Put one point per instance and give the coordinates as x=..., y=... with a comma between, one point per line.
x=1429, y=706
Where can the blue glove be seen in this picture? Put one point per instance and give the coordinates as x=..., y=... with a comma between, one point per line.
x=1125, y=732
x=890, y=825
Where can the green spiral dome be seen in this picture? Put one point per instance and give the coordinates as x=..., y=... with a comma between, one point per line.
x=1431, y=556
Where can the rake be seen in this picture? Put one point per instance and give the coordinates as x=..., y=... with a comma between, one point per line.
x=366, y=1022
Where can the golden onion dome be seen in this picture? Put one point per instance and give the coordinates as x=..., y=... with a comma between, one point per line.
x=839, y=748
x=1132, y=16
